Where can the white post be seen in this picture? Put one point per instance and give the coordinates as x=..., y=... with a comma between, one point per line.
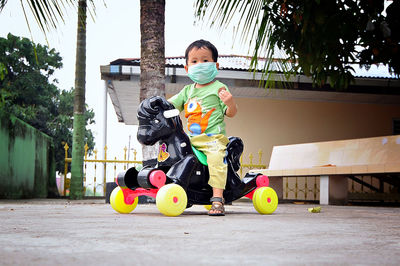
x=129, y=151
x=324, y=189
x=105, y=123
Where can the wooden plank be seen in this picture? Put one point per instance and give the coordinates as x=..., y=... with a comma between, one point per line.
x=363, y=155
x=376, y=168
x=359, y=169
x=392, y=168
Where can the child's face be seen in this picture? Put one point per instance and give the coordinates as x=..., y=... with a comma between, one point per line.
x=199, y=55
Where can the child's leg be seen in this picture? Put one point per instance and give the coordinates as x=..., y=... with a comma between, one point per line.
x=215, y=149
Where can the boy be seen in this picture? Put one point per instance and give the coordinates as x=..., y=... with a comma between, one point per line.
x=205, y=103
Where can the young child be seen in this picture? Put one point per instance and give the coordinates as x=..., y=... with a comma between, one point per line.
x=205, y=103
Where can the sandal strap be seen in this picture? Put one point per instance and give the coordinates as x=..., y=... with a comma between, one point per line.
x=217, y=199
x=219, y=207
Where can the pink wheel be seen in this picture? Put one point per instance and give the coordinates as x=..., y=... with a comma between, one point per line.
x=262, y=181
x=157, y=178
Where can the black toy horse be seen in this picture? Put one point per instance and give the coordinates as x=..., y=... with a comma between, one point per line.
x=179, y=177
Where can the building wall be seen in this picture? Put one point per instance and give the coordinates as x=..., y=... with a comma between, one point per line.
x=27, y=165
x=263, y=123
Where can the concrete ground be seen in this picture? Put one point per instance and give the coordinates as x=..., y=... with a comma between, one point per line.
x=62, y=232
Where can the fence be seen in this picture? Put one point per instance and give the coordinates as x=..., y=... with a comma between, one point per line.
x=91, y=165
x=117, y=165
x=299, y=188
x=360, y=188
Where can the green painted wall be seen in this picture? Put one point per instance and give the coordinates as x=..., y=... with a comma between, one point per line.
x=27, y=164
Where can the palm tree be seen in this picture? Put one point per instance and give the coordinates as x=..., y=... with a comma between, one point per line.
x=152, y=56
x=77, y=191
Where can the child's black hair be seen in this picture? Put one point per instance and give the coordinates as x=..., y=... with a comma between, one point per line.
x=200, y=44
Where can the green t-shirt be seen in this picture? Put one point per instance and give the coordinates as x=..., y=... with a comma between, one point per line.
x=203, y=108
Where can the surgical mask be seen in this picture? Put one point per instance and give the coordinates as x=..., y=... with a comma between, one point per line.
x=203, y=73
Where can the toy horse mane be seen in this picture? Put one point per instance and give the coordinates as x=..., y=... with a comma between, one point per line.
x=151, y=107
x=156, y=124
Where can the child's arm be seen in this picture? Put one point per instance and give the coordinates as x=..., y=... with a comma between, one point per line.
x=228, y=99
x=178, y=100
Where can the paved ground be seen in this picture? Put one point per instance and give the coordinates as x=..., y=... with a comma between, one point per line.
x=59, y=232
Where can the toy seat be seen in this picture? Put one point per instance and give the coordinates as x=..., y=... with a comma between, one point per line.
x=234, y=149
x=200, y=156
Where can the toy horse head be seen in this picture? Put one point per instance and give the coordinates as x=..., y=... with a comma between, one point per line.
x=157, y=120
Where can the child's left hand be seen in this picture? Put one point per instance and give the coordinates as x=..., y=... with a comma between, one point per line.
x=225, y=96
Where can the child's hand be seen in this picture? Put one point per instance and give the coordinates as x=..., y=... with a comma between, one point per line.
x=226, y=97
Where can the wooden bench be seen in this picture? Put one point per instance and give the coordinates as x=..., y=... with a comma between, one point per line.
x=334, y=162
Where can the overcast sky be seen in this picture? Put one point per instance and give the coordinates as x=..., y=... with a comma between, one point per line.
x=114, y=34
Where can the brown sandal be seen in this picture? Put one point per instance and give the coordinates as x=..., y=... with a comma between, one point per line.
x=217, y=205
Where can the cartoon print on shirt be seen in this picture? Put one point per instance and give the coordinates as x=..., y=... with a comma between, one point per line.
x=197, y=123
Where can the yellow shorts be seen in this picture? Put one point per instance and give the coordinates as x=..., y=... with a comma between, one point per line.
x=214, y=147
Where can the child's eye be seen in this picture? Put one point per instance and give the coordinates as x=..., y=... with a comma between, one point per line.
x=194, y=61
x=205, y=60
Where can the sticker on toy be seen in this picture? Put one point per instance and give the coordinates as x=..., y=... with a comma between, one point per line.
x=163, y=155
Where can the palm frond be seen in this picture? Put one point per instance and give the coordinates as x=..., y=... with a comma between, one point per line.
x=253, y=28
x=2, y=4
x=48, y=13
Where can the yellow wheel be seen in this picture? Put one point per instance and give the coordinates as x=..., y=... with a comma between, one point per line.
x=208, y=207
x=118, y=203
x=171, y=200
x=265, y=200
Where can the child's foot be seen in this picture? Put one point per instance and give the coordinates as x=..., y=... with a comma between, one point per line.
x=217, y=207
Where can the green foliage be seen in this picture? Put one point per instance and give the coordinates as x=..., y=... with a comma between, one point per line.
x=3, y=71
x=321, y=38
x=28, y=93
x=324, y=37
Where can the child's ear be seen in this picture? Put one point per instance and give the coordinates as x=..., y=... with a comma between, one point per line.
x=217, y=64
x=186, y=68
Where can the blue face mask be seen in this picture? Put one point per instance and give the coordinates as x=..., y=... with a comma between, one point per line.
x=203, y=73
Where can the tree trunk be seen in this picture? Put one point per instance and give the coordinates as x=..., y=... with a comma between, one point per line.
x=78, y=136
x=152, y=61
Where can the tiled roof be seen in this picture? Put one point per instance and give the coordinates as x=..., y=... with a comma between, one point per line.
x=226, y=62
x=242, y=63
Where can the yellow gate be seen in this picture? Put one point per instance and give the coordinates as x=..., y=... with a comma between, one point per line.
x=115, y=163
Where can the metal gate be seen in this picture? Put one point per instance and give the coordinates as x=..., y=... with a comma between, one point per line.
x=111, y=167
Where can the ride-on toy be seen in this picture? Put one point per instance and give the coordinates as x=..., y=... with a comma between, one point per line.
x=180, y=176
